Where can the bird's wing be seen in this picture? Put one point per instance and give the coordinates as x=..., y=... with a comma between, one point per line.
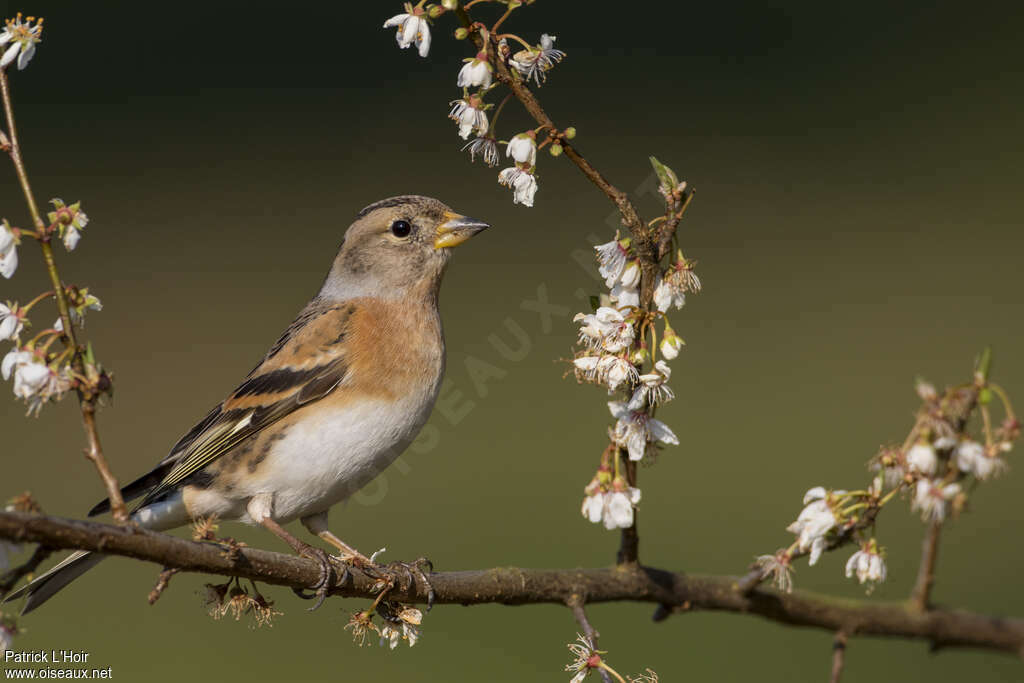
x=304, y=365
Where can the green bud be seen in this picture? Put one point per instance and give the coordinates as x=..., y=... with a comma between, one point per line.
x=512, y=4
x=434, y=11
x=570, y=132
x=461, y=34
x=555, y=149
x=985, y=396
x=449, y=4
x=666, y=176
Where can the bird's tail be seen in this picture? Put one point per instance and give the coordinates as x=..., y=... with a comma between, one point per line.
x=49, y=584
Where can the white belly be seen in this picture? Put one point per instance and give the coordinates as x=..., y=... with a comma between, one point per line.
x=332, y=456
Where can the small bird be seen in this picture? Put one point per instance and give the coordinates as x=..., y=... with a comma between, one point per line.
x=334, y=401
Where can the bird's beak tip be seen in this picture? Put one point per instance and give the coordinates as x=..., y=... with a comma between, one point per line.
x=457, y=229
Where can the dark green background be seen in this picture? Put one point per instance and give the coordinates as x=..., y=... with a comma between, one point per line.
x=857, y=223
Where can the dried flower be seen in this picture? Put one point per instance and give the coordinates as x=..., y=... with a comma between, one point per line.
x=585, y=658
x=536, y=62
x=779, y=568
x=486, y=147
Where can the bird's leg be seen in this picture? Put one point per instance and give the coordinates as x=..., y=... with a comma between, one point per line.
x=259, y=509
x=317, y=524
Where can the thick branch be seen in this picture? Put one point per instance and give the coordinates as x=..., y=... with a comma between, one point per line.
x=514, y=586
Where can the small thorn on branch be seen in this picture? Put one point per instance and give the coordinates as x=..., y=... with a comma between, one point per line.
x=161, y=584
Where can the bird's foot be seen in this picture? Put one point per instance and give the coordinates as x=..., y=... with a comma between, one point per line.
x=323, y=582
x=412, y=572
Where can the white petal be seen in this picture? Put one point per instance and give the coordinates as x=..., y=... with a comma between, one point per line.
x=10, y=54
x=423, y=39
x=26, y=56
x=618, y=409
x=660, y=432
x=71, y=238
x=395, y=20
x=851, y=564
x=8, y=326
x=9, y=263
x=817, y=547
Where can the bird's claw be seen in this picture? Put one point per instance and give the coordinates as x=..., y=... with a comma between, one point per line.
x=413, y=571
x=323, y=581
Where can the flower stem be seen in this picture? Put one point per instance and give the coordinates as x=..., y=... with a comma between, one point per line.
x=87, y=403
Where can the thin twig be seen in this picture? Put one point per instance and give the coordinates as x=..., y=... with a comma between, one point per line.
x=162, y=582
x=920, y=597
x=575, y=603
x=87, y=403
x=943, y=628
x=10, y=578
x=838, y=657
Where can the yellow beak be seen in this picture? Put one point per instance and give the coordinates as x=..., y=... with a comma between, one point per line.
x=456, y=229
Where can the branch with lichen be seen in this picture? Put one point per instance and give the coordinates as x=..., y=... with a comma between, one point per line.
x=942, y=628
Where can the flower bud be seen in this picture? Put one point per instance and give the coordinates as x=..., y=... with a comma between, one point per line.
x=461, y=33
x=434, y=11
x=570, y=132
x=449, y=4
x=555, y=149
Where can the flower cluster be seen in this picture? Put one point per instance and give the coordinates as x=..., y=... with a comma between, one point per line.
x=401, y=622
x=929, y=468
x=20, y=37
x=610, y=500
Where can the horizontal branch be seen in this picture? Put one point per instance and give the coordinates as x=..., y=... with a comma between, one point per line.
x=514, y=586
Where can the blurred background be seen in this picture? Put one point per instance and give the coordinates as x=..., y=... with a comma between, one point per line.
x=857, y=223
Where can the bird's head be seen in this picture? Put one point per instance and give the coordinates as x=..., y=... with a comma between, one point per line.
x=398, y=247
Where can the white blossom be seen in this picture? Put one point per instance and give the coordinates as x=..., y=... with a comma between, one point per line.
x=932, y=499
x=11, y=323
x=34, y=380
x=867, y=564
x=653, y=388
x=813, y=523
x=615, y=370
x=618, y=511
x=611, y=260
x=634, y=429
x=670, y=344
x=476, y=72
x=523, y=148
x=467, y=112
x=606, y=329
x=921, y=458
x=22, y=36
x=391, y=634
x=523, y=184
x=666, y=296
x=412, y=28
x=971, y=457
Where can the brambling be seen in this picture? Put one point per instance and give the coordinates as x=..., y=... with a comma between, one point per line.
x=335, y=400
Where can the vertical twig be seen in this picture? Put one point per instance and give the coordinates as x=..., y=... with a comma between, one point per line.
x=629, y=544
x=920, y=597
x=87, y=403
x=575, y=603
x=838, y=657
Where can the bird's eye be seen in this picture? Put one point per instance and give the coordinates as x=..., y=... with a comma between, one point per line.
x=401, y=228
